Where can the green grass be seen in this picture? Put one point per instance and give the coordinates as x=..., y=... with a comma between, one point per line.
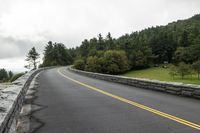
x=162, y=74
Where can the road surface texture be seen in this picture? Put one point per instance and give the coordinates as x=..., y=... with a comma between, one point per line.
x=77, y=104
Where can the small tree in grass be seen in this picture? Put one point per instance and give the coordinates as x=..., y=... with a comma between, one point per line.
x=183, y=69
x=173, y=71
x=196, y=67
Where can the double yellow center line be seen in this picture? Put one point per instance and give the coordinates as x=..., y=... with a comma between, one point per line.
x=171, y=117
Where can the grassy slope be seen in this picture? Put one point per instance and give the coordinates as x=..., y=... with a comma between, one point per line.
x=162, y=74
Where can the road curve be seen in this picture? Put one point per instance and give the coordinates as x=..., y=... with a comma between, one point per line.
x=77, y=104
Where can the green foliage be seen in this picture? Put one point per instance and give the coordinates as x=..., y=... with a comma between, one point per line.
x=79, y=64
x=32, y=58
x=196, y=67
x=3, y=75
x=16, y=76
x=183, y=69
x=174, y=43
x=141, y=58
x=92, y=64
x=111, y=62
x=184, y=54
x=56, y=55
x=173, y=71
x=162, y=74
x=184, y=39
x=115, y=62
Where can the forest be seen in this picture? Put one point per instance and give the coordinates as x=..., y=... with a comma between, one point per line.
x=176, y=43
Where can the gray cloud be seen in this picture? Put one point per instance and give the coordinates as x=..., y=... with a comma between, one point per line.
x=10, y=47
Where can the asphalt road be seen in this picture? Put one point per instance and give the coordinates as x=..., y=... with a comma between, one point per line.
x=78, y=104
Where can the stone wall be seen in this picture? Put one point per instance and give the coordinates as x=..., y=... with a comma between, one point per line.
x=169, y=87
x=11, y=100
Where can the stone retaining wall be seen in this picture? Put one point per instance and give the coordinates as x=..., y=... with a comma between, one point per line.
x=11, y=100
x=169, y=87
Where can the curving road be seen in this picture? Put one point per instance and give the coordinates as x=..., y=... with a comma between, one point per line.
x=76, y=104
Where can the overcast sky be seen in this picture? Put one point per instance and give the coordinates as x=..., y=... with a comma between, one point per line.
x=28, y=23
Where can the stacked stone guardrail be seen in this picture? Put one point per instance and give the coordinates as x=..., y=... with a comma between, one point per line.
x=11, y=100
x=169, y=87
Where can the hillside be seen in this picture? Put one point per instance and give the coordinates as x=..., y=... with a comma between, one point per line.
x=176, y=42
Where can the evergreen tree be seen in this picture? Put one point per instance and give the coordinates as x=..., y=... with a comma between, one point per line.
x=56, y=54
x=109, y=42
x=184, y=39
x=3, y=75
x=10, y=74
x=32, y=58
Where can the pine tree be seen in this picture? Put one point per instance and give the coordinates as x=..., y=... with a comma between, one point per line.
x=32, y=58
x=184, y=41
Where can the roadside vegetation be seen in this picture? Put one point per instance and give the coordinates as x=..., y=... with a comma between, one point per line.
x=163, y=73
x=56, y=54
x=177, y=43
x=8, y=76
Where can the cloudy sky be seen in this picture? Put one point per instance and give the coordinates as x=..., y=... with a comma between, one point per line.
x=28, y=23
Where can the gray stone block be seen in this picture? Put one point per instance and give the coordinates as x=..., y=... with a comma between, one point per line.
x=169, y=87
x=11, y=100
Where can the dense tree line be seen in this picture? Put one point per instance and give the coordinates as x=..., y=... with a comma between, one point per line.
x=8, y=76
x=174, y=43
x=4, y=76
x=56, y=54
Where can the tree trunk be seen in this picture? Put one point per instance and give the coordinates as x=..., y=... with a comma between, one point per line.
x=34, y=63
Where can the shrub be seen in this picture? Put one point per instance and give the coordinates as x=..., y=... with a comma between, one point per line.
x=79, y=64
x=93, y=64
x=115, y=62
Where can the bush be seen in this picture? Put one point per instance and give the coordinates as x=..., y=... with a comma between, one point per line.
x=79, y=64
x=16, y=76
x=111, y=62
x=115, y=62
x=93, y=64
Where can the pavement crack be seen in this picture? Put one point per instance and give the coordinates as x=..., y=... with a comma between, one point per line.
x=35, y=124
